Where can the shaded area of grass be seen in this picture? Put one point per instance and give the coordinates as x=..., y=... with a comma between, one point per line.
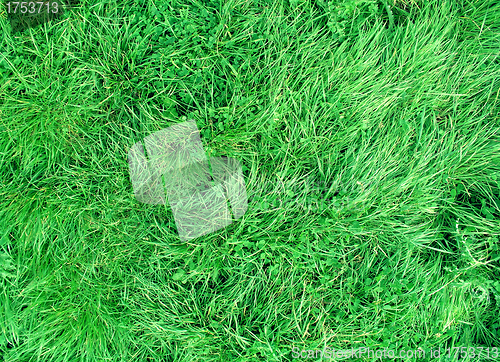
x=372, y=166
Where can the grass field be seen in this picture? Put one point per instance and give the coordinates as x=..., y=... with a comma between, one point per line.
x=369, y=137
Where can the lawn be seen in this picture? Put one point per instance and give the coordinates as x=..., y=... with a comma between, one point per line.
x=368, y=133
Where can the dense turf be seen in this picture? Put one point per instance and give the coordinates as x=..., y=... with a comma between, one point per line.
x=369, y=135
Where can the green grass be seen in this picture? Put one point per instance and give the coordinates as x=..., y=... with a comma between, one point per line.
x=369, y=136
